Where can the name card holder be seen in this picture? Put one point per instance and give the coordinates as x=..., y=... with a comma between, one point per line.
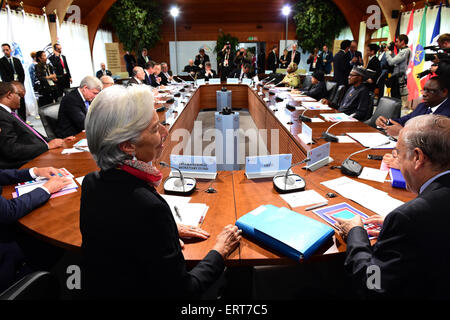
x=319, y=156
x=198, y=167
x=259, y=167
x=233, y=81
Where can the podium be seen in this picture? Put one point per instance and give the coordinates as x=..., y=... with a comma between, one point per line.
x=227, y=142
x=223, y=99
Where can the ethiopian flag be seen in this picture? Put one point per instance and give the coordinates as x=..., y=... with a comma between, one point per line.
x=419, y=55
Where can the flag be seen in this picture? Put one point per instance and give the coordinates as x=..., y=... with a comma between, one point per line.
x=437, y=26
x=30, y=99
x=419, y=55
x=413, y=91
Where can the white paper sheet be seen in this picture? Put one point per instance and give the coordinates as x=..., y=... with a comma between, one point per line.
x=373, y=174
x=303, y=198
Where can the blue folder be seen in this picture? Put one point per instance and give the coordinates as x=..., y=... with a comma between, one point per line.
x=285, y=231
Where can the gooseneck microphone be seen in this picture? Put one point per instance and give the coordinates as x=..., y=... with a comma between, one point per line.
x=351, y=167
x=303, y=117
x=172, y=185
x=331, y=137
x=290, y=182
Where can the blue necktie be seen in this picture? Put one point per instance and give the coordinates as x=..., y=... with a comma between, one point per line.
x=87, y=104
x=428, y=111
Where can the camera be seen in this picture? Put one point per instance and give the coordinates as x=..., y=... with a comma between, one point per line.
x=391, y=46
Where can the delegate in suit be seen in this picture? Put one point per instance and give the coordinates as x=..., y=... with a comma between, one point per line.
x=103, y=71
x=74, y=106
x=61, y=67
x=410, y=259
x=374, y=65
x=318, y=89
x=435, y=100
x=128, y=230
x=342, y=66
x=293, y=55
x=272, y=59
x=11, y=256
x=208, y=73
x=19, y=143
x=327, y=59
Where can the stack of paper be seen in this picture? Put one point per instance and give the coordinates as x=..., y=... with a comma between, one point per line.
x=303, y=198
x=192, y=214
x=335, y=117
x=373, y=140
x=373, y=199
x=29, y=186
x=315, y=105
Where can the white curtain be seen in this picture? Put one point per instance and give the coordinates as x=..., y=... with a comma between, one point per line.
x=75, y=46
x=99, y=51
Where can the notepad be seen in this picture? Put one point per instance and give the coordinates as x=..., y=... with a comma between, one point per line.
x=303, y=198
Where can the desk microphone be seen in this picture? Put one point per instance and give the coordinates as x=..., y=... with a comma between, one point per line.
x=303, y=117
x=265, y=85
x=293, y=181
x=331, y=137
x=351, y=167
x=173, y=184
x=180, y=79
x=186, y=85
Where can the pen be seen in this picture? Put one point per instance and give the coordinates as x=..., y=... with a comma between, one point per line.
x=317, y=206
x=177, y=213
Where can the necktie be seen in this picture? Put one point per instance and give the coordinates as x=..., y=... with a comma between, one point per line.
x=429, y=111
x=62, y=62
x=30, y=128
x=87, y=104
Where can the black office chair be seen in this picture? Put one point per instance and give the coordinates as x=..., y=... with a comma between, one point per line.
x=49, y=118
x=38, y=285
x=307, y=83
x=331, y=89
x=371, y=106
x=339, y=95
x=387, y=107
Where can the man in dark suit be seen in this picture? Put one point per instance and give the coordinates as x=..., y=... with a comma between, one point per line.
x=410, y=259
x=374, y=65
x=166, y=74
x=226, y=61
x=143, y=58
x=355, y=55
x=318, y=89
x=327, y=59
x=293, y=55
x=385, y=69
x=103, y=71
x=356, y=99
x=342, y=66
x=138, y=76
x=208, y=73
x=272, y=59
x=130, y=62
x=191, y=68
x=61, y=67
x=12, y=259
x=435, y=101
x=74, y=107
x=19, y=143
x=201, y=59
x=11, y=69
x=243, y=72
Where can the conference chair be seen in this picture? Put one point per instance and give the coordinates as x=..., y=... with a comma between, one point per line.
x=388, y=107
x=371, y=106
x=38, y=285
x=331, y=89
x=338, y=96
x=49, y=118
x=307, y=83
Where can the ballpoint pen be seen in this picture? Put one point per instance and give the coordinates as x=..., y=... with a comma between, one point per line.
x=317, y=206
x=177, y=213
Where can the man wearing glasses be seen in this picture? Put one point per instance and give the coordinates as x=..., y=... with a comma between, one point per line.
x=435, y=101
x=411, y=257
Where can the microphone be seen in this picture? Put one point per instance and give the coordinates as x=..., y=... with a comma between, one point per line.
x=331, y=137
x=186, y=84
x=265, y=85
x=303, y=117
x=180, y=79
x=293, y=181
x=172, y=184
x=351, y=167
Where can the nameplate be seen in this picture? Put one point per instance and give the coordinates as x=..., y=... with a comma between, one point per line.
x=267, y=166
x=306, y=135
x=214, y=81
x=199, y=167
x=255, y=79
x=200, y=82
x=233, y=81
x=268, y=72
x=247, y=81
x=319, y=156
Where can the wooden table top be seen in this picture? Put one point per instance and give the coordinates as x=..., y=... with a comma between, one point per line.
x=57, y=221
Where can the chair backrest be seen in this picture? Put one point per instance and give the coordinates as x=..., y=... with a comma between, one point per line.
x=307, y=82
x=49, y=118
x=331, y=89
x=38, y=285
x=340, y=91
x=387, y=107
x=371, y=105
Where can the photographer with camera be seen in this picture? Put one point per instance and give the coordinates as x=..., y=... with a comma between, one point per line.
x=400, y=63
x=386, y=69
x=226, y=64
x=442, y=60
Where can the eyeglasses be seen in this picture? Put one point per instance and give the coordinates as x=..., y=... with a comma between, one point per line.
x=432, y=91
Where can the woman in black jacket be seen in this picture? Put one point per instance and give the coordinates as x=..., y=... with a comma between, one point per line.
x=131, y=246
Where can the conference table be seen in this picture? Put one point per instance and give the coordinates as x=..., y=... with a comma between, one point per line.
x=57, y=221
